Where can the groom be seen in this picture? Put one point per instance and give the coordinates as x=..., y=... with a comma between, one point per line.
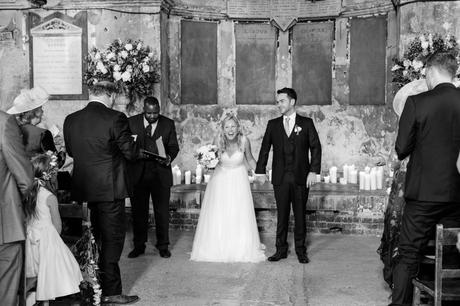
x=293, y=137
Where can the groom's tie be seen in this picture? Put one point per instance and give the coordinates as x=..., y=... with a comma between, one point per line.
x=286, y=126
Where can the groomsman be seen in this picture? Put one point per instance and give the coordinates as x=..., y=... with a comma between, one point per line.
x=152, y=177
x=429, y=132
x=99, y=140
x=293, y=137
x=15, y=183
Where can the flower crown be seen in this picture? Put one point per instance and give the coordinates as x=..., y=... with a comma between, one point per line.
x=53, y=167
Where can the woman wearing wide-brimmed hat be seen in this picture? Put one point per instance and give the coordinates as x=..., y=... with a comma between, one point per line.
x=27, y=107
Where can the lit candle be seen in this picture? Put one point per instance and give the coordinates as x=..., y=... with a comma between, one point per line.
x=346, y=172
x=333, y=174
x=379, y=177
x=188, y=177
x=318, y=178
x=199, y=174
x=327, y=179
x=270, y=175
x=367, y=181
x=353, y=176
x=361, y=180
x=343, y=181
x=178, y=176
x=373, y=178
x=207, y=177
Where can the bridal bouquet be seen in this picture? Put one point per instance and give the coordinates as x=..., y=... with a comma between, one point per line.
x=208, y=156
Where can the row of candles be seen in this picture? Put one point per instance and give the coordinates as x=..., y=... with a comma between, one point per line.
x=369, y=178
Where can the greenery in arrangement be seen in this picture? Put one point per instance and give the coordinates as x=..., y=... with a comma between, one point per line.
x=130, y=65
x=412, y=65
x=87, y=255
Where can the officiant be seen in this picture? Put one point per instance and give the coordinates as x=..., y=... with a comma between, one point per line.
x=152, y=176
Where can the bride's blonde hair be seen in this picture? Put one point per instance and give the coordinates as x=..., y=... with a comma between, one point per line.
x=223, y=141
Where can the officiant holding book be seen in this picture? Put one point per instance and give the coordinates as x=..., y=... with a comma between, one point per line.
x=152, y=176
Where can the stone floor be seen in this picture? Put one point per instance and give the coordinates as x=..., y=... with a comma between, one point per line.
x=344, y=270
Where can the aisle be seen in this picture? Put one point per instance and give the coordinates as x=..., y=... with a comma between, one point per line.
x=344, y=270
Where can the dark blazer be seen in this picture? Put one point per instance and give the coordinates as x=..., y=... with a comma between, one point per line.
x=306, y=141
x=99, y=140
x=16, y=178
x=37, y=140
x=166, y=129
x=429, y=132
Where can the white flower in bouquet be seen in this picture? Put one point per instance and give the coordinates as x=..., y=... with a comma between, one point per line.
x=124, y=54
x=126, y=76
x=117, y=75
x=116, y=67
x=128, y=47
x=417, y=65
x=100, y=66
x=145, y=68
x=208, y=156
x=110, y=55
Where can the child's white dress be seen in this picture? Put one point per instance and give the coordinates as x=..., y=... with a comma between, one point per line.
x=47, y=256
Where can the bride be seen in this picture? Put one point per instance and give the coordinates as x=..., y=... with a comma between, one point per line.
x=227, y=228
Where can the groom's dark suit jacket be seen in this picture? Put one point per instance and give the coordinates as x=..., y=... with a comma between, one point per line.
x=429, y=132
x=305, y=141
x=166, y=129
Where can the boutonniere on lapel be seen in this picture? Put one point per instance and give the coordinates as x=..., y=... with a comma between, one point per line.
x=297, y=129
x=134, y=137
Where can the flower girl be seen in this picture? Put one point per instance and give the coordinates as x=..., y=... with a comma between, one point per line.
x=47, y=257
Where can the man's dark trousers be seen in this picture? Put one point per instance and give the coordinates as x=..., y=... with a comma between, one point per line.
x=150, y=185
x=109, y=223
x=418, y=225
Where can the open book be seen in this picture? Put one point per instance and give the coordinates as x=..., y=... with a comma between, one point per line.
x=161, y=150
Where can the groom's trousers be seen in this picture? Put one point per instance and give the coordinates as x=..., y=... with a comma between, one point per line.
x=418, y=225
x=286, y=193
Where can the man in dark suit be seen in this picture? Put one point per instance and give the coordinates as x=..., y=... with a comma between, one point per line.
x=292, y=137
x=99, y=140
x=429, y=132
x=152, y=177
x=16, y=177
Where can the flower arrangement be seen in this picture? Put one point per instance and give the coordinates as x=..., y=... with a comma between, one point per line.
x=130, y=65
x=208, y=156
x=412, y=65
x=86, y=253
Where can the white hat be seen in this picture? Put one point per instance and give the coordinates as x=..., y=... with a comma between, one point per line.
x=410, y=89
x=29, y=99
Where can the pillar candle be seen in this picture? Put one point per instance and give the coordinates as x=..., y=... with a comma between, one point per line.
x=343, y=181
x=199, y=174
x=373, y=178
x=270, y=175
x=318, y=178
x=367, y=181
x=346, y=172
x=188, y=177
x=333, y=174
x=178, y=176
x=174, y=174
x=361, y=180
x=379, y=177
x=353, y=175
x=207, y=177
x=367, y=170
x=327, y=179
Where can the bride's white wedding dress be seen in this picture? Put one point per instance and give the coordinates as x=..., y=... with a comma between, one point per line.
x=227, y=229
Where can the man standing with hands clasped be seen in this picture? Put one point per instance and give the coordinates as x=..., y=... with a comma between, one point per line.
x=293, y=137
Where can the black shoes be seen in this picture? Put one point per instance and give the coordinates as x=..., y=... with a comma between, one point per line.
x=165, y=253
x=136, y=252
x=277, y=256
x=303, y=258
x=119, y=299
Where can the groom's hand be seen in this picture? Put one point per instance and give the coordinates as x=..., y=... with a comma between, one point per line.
x=311, y=179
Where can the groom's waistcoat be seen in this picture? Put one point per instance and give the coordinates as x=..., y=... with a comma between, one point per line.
x=288, y=152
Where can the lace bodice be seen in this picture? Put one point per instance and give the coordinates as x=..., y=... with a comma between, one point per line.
x=235, y=160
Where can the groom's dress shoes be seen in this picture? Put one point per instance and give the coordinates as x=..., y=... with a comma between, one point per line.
x=303, y=258
x=277, y=256
x=165, y=253
x=119, y=299
x=135, y=253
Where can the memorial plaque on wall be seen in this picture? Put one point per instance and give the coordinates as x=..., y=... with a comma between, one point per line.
x=368, y=38
x=198, y=62
x=58, y=48
x=312, y=62
x=255, y=63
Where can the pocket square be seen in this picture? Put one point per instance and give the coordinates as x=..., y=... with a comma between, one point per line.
x=134, y=137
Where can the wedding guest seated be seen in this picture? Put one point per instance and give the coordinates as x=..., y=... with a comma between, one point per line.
x=28, y=109
x=47, y=257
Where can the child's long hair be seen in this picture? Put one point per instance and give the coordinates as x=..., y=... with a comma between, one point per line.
x=44, y=175
x=223, y=141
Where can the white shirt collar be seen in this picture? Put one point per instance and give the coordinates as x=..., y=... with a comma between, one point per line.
x=99, y=101
x=291, y=118
x=147, y=123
